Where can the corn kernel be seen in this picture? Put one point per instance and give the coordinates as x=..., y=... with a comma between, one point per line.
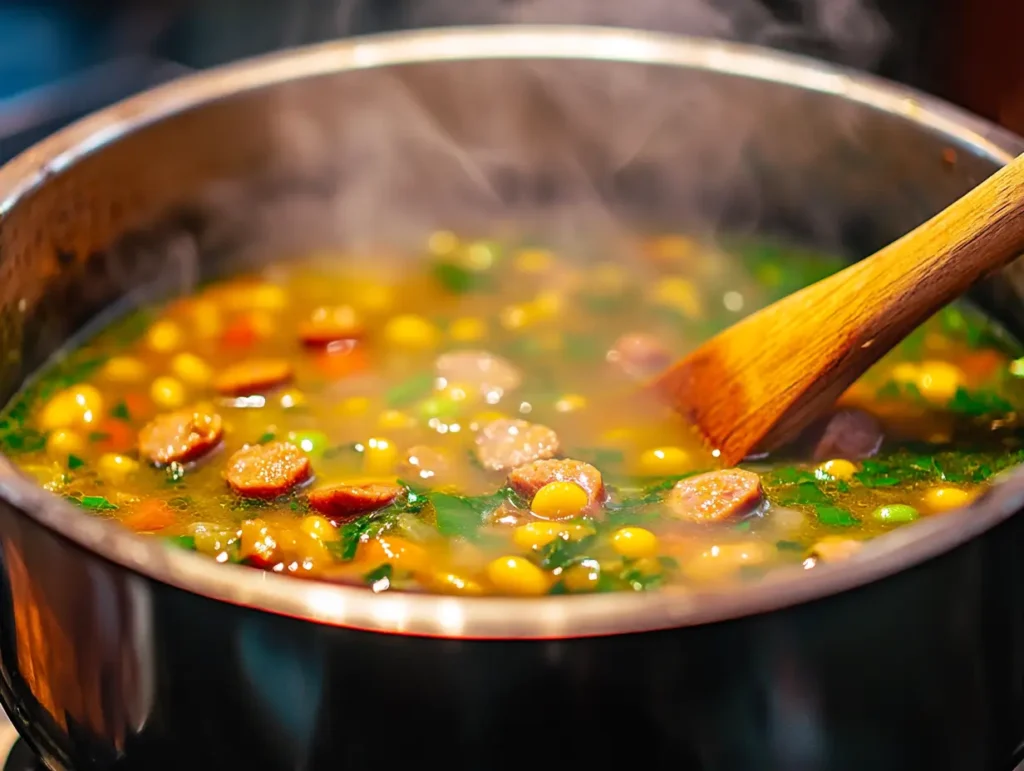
x=720, y=562
x=635, y=542
x=167, y=393
x=395, y=420
x=164, y=336
x=191, y=369
x=444, y=582
x=904, y=373
x=411, y=331
x=316, y=526
x=75, y=406
x=559, y=500
x=836, y=469
x=678, y=294
x=664, y=461
x=400, y=553
x=539, y=533
x=379, y=456
x=116, y=468
x=571, y=403
x=467, y=329
x=582, y=577
x=210, y=539
x=354, y=405
x=516, y=575
x=938, y=381
x=62, y=443
x=946, y=498
x=374, y=297
x=124, y=369
x=533, y=261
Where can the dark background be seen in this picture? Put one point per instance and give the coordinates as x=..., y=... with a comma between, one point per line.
x=60, y=58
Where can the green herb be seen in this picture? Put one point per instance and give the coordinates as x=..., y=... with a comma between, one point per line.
x=803, y=493
x=267, y=436
x=978, y=403
x=411, y=390
x=742, y=526
x=174, y=472
x=74, y=462
x=26, y=440
x=789, y=546
x=350, y=534
x=669, y=563
x=120, y=411
x=788, y=475
x=582, y=348
x=378, y=574
x=562, y=553
x=459, y=280
x=343, y=449
x=833, y=516
x=598, y=456
x=186, y=542
x=94, y=503
x=98, y=436
x=456, y=515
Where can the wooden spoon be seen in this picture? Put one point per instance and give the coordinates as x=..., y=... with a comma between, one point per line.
x=756, y=385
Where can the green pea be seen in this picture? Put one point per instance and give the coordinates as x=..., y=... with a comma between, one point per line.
x=310, y=442
x=895, y=513
x=437, y=407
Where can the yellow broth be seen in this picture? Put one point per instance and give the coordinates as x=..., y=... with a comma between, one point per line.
x=365, y=403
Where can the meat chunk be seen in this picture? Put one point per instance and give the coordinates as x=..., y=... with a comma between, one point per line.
x=848, y=433
x=639, y=355
x=180, y=436
x=480, y=370
x=503, y=444
x=715, y=496
x=342, y=502
x=329, y=325
x=253, y=376
x=528, y=479
x=267, y=470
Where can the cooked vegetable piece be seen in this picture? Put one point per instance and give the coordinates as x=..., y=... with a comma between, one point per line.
x=505, y=444
x=715, y=496
x=267, y=470
x=253, y=376
x=180, y=437
x=330, y=324
x=480, y=370
x=531, y=478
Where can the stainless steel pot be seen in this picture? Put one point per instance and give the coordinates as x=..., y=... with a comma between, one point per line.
x=116, y=652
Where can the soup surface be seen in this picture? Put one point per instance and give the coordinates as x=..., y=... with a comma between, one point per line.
x=471, y=420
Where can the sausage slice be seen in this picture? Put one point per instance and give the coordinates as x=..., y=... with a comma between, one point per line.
x=504, y=444
x=639, y=355
x=528, y=479
x=329, y=325
x=347, y=501
x=180, y=436
x=479, y=369
x=849, y=433
x=253, y=376
x=715, y=496
x=267, y=470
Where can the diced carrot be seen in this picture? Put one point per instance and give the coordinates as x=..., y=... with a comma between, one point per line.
x=117, y=436
x=246, y=330
x=138, y=404
x=149, y=515
x=980, y=366
x=339, y=364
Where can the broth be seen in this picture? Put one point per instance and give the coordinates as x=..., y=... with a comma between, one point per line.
x=472, y=421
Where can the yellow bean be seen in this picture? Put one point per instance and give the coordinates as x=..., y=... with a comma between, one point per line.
x=467, y=329
x=678, y=294
x=664, y=461
x=516, y=317
x=516, y=575
x=905, y=372
x=938, y=381
x=124, y=369
x=116, y=468
x=167, y=393
x=635, y=542
x=76, y=406
x=62, y=443
x=395, y=419
x=444, y=582
x=723, y=561
x=582, y=577
x=379, y=456
x=164, y=336
x=836, y=469
x=548, y=303
x=946, y=498
x=191, y=369
x=411, y=331
x=442, y=242
x=539, y=533
x=210, y=539
x=835, y=548
x=559, y=500
x=354, y=405
x=206, y=318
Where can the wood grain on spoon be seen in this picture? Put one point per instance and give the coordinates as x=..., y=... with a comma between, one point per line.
x=760, y=382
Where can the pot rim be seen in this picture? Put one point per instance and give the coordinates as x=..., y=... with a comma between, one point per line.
x=499, y=617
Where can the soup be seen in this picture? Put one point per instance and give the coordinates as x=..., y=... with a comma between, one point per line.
x=473, y=421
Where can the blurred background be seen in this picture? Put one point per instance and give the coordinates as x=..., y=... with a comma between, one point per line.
x=60, y=59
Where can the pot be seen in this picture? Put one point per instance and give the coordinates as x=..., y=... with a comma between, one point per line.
x=118, y=652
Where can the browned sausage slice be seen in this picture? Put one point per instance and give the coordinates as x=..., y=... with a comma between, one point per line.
x=253, y=376
x=849, y=433
x=504, y=444
x=715, y=496
x=267, y=470
x=528, y=479
x=180, y=436
x=639, y=355
x=329, y=325
x=347, y=501
x=482, y=370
